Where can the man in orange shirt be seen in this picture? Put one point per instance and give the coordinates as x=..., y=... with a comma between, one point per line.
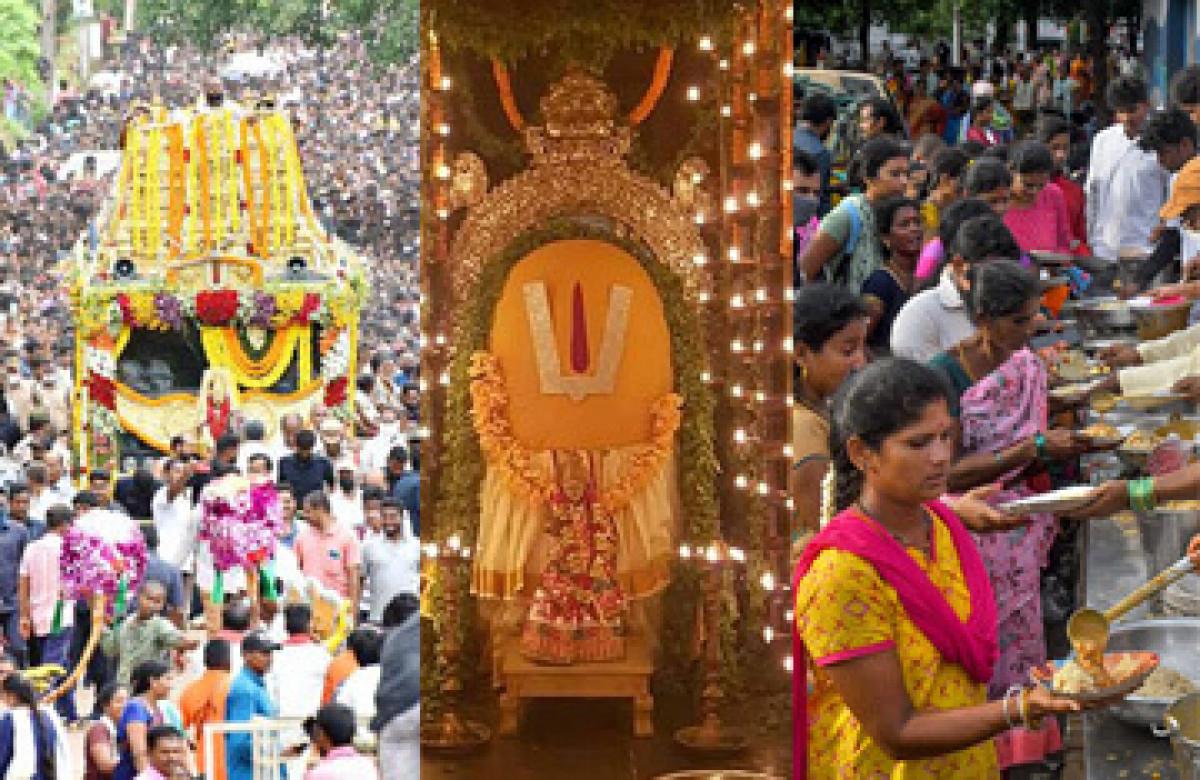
x=341, y=667
x=203, y=702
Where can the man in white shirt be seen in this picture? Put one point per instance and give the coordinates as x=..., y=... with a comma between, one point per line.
x=300, y=665
x=1126, y=186
x=345, y=500
x=254, y=443
x=391, y=562
x=392, y=432
x=935, y=320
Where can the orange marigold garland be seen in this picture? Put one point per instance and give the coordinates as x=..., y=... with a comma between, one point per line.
x=489, y=402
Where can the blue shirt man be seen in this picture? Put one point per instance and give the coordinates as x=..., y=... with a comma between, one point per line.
x=816, y=116
x=14, y=537
x=248, y=699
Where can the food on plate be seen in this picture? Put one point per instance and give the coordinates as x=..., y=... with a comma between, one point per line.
x=1101, y=431
x=1164, y=683
x=1090, y=671
x=1142, y=440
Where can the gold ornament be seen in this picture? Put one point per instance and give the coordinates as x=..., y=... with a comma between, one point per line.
x=469, y=182
x=578, y=169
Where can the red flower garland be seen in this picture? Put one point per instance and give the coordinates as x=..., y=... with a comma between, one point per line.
x=216, y=307
x=126, y=309
x=102, y=390
x=335, y=392
x=312, y=302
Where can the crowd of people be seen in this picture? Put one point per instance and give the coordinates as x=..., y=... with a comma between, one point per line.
x=928, y=287
x=350, y=489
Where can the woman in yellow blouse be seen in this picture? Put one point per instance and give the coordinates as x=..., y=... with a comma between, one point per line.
x=895, y=615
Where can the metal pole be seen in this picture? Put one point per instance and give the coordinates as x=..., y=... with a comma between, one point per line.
x=956, y=35
x=49, y=28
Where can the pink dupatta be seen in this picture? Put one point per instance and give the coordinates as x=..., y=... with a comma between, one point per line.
x=971, y=644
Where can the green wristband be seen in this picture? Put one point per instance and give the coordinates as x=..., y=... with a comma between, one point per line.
x=1039, y=444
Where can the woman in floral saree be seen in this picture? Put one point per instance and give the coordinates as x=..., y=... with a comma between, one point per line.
x=1001, y=402
x=895, y=616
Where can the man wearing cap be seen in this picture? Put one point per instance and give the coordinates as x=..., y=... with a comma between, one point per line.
x=345, y=501
x=333, y=439
x=248, y=699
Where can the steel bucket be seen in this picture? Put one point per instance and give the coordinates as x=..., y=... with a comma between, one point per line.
x=1183, y=726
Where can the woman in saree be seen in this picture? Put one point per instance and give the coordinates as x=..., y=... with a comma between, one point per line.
x=895, y=614
x=1000, y=398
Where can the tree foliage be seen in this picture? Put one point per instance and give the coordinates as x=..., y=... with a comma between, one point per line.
x=19, y=47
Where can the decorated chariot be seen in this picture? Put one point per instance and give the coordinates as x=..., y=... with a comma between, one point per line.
x=207, y=288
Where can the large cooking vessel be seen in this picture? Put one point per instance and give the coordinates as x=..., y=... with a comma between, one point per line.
x=1175, y=640
x=1100, y=317
x=1182, y=721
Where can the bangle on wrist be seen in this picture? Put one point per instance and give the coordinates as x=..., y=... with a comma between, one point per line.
x=1039, y=445
x=1009, y=717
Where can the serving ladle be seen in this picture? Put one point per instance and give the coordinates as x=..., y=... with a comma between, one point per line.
x=1090, y=625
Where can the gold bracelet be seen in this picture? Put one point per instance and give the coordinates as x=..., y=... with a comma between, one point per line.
x=1032, y=725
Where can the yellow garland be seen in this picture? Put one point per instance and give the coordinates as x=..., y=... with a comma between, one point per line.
x=489, y=401
x=118, y=208
x=279, y=159
x=264, y=224
x=178, y=188
x=216, y=137
x=154, y=190
x=247, y=184
x=232, y=177
x=302, y=187
x=135, y=207
x=271, y=181
x=223, y=350
x=289, y=172
x=193, y=199
x=205, y=187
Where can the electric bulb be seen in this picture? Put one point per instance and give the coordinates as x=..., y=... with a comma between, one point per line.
x=737, y=554
x=788, y=344
x=739, y=436
x=752, y=199
x=445, y=379
x=758, y=346
x=760, y=295
x=755, y=151
x=788, y=13
x=763, y=488
x=706, y=43
x=443, y=129
x=685, y=551
x=699, y=258
x=787, y=662
x=703, y=296
x=734, y=254
x=736, y=302
x=697, y=177
x=788, y=451
x=726, y=111
x=735, y=346
x=786, y=185
x=705, y=376
x=790, y=504
x=446, y=83
x=723, y=64
x=443, y=172
x=760, y=396
x=736, y=391
x=731, y=204
x=748, y=48
x=788, y=70
x=767, y=580
x=789, y=616
x=713, y=554
x=440, y=340
x=430, y=550
x=693, y=94
x=741, y=482
x=699, y=218
x=752, y=97
x=453, y=543
x=768, y=635
x=789, y=294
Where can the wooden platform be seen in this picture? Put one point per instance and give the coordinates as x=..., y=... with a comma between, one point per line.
x=626, y=679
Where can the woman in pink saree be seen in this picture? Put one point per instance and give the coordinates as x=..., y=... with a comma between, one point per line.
x=1002, y=410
